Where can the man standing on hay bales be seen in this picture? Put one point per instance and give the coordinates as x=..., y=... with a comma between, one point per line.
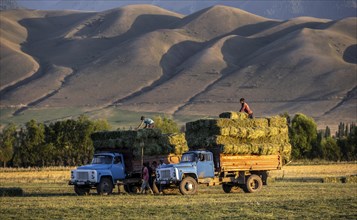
x=245, y=108
x=149, y=123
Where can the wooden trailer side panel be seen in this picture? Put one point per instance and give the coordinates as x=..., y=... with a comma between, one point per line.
x=250, y=162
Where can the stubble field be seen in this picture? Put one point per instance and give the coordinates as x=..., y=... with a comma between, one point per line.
x=47, y=196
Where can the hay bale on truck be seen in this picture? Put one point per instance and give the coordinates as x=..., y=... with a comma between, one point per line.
x=123, y=153
x=232, y=151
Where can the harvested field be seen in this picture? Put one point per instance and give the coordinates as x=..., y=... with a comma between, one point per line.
x=49, y=199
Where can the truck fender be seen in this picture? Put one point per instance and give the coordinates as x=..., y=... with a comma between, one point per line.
x=103, y=174
x=193, y=175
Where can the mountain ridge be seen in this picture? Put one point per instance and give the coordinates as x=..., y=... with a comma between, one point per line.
x=174, y=64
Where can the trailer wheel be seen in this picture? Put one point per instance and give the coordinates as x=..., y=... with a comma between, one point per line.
x=254, y=184
x=188, y=186
x=226, y=187
x=105, y=187
x=81, y=191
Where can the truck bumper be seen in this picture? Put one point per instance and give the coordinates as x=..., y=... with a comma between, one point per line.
x=82, y=183
x=166, y=182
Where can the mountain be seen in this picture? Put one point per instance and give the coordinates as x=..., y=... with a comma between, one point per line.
x=275, y=9
x=145, y=58
x=8, y=5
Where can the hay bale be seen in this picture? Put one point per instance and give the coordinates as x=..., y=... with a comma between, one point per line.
x=13, y=191
x=351, y=179
x=278, y=121
x=153, y=141
x=234, y=115
x=260, y=136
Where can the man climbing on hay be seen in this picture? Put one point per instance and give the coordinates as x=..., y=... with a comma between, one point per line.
x=149, y=123
x=245, y=108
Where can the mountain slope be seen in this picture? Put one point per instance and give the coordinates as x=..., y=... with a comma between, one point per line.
x=144, y=58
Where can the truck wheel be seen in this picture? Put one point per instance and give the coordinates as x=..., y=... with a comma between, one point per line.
x=132, y=188
x=81, y=191
x=188, y=186
x=254, y=184
x=105, y=187
x=226, y=187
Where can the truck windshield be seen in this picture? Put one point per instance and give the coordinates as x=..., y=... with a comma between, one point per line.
x=188, y=158
x=102, y=159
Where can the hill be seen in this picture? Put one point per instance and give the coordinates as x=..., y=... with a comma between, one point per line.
x=145, y=58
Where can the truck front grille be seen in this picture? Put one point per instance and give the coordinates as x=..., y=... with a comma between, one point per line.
x=82, y=175
x=165, y=174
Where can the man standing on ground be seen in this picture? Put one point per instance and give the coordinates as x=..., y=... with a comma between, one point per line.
x=145, y=176
x=245, y=108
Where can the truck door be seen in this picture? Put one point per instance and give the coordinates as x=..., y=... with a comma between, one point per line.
x=118, y=171
x=205, y=166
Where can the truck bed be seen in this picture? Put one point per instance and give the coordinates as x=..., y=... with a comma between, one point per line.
x=249, y=162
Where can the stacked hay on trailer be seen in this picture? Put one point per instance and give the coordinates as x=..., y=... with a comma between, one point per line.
x=152, y=141
x=233, y=133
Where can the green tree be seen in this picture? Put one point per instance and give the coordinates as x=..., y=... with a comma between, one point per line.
x=330, y=149
x=303, y=136
x=327, y=132
x=166, y=125
x=32, y=139
x=7, y=143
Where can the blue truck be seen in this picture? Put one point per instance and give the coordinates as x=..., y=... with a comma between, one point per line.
x=233, y=172
x=112, y=167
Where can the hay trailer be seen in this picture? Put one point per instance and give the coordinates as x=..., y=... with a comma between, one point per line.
x=233, y=172
x=118, y=160
x=232, y=150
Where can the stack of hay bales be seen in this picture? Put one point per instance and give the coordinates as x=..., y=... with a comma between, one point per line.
x=233, y=133
x=152, y=140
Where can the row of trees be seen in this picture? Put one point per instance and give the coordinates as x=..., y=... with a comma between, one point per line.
x=62, y=143
x=68, y=143
x=309, y=143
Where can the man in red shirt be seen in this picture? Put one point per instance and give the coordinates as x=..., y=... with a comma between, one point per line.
x=245, y=108
x=145, y=176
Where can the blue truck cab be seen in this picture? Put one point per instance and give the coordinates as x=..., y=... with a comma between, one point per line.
x=104, y=171
x=194, y=165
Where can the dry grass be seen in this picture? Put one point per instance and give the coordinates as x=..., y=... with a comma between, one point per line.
x=47, y=196
x=331, y=170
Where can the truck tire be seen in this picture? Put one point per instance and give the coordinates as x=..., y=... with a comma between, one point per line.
x=188, y=186
x=81, y=190
x=131, y=188
x=105, y=186
x=254, y=184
